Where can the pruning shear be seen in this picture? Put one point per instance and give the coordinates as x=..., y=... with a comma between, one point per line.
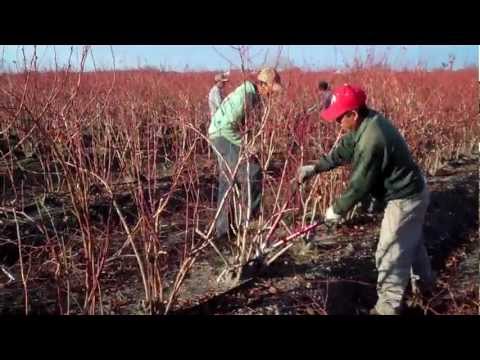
x=257, y=264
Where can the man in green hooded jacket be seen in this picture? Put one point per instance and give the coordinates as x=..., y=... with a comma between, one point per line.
x=224, y=133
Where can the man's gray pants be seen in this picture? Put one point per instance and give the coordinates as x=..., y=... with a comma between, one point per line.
x=401, y=253
x=249, y=173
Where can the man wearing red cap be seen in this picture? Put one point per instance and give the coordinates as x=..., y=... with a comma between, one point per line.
x=382, y=166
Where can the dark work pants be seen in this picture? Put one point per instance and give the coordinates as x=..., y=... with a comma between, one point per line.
x=246, y=173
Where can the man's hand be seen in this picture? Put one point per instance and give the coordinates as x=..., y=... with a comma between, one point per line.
x=331, y=217
x=305, y=172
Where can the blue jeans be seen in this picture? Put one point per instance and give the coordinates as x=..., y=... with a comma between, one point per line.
x=250, y=172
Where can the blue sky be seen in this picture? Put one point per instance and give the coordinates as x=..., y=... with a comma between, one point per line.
x=222, y=57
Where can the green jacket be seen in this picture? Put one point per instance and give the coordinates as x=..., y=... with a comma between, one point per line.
x=227, y=119
x=381, y=164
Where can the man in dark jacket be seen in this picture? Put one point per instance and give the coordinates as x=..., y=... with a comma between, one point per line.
x=324, y=99
x=382, y=166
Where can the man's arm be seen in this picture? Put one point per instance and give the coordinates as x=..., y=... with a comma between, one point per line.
x=342, y=154
x=367, y=169
x=253, y=112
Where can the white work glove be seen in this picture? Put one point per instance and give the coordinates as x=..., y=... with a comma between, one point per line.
x=305, y=172
x=331, y=217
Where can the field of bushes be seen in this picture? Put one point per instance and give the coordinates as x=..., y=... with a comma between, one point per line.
x=109, y=173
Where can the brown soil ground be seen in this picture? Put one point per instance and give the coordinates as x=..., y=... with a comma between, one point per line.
x=337, y=277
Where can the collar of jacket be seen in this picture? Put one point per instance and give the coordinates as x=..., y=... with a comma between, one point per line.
x=363, y=126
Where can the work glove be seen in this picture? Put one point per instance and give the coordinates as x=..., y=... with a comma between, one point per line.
x=332, y=218
x=305, y=172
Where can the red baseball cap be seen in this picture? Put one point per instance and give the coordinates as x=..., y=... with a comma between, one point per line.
x=344, y=98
